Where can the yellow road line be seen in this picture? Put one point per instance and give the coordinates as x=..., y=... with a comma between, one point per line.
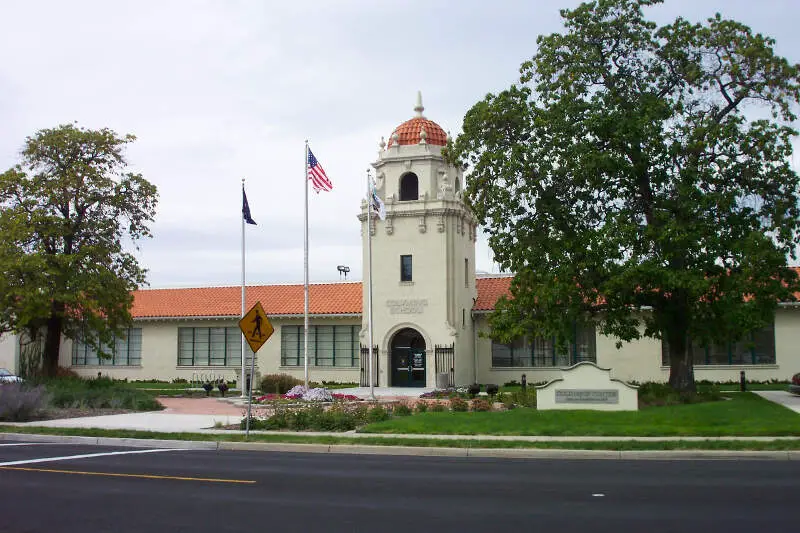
x=141, y=476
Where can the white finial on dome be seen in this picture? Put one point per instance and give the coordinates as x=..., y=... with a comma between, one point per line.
x=419, y=107
x=423, y=135
x=382, y=144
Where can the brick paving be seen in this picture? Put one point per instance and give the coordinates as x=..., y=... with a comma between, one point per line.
x=199, y=406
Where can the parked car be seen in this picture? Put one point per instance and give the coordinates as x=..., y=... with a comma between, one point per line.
x=794, y=387
x=8, y=377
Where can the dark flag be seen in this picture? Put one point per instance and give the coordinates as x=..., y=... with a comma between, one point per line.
x=246, y=209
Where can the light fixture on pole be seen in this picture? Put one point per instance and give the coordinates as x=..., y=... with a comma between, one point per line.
x=343, y=270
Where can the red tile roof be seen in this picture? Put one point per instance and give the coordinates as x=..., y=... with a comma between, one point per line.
x=323, y=299
x=408, y=132
x=489, y=290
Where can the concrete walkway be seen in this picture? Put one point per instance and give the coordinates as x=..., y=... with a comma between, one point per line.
x=782, y=397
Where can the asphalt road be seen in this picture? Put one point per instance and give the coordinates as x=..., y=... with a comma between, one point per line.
x=220, y=491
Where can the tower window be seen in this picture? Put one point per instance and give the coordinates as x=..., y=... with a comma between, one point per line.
x=409, y=187
x=405, y=268
x=466, y=272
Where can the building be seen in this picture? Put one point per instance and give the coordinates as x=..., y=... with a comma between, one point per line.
x=429, y=308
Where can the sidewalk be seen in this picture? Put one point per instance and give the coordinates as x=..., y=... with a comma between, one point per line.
x=784, y=398
x=179, y=415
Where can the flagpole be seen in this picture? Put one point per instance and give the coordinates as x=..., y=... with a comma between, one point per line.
x=369, y=288
x=242, y=382
x=305, y=273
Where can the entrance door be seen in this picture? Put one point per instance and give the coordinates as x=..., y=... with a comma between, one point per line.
x=408, y=359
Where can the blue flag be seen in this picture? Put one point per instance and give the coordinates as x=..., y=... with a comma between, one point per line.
x=246, y=209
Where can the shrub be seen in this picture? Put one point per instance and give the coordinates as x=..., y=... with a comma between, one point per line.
x=421, y=407
x=278, y=383
x=491, y=389
x=473, y=389
x=660, y=394
x=457, y=404
x=524, y=398
x=508, y=401
x=335, y=419
x=402, y=409
x=20, y=402
x=481, y=404
x=377, y=414
x=315, y=418
x=179, y=380
x=437, y=407
x=98, y=393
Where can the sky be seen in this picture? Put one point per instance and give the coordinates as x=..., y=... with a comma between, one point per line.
x=220, y=91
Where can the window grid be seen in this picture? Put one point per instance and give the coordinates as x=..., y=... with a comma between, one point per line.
x=756, y=348
x=328, y=346
x=213, y=346
x=124, y=350
x=542, y=352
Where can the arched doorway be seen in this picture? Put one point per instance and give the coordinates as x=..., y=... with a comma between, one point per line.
x=408, y=359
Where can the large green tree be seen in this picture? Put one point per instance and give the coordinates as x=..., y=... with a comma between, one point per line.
x=639, y=177
x=67, y=213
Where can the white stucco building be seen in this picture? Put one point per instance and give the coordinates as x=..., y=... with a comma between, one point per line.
x=429, y=308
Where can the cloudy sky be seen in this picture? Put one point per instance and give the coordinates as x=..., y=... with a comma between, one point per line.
x=220, y=91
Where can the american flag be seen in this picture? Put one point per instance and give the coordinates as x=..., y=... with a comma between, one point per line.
x=319, y=180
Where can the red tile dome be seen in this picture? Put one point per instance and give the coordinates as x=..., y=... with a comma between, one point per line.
x=409, y=132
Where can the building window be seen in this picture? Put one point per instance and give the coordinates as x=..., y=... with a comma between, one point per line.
x=328, y=346
x=466, y=272
x=755, y=348
x=124, y=350
x=211, y=347
x=543, y=352
x=405, y=268
x=409, y=187
x=463, y=319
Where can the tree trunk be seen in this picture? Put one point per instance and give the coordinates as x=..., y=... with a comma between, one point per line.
x=681, y=370
x=52, y=343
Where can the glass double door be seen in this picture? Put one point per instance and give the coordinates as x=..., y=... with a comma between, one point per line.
x=408, y=367
x=408, y=359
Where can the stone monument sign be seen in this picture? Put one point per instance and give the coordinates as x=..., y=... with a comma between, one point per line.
x=587, y=386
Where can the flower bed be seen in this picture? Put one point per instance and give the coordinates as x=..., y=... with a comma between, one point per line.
x=315, y=395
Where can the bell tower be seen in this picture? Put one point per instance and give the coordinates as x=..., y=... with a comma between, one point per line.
x=423, y=261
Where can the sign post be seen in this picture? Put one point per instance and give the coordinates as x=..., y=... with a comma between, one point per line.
x=256, y=329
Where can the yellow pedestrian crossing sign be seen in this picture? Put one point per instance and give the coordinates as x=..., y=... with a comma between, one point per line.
x=256, y=327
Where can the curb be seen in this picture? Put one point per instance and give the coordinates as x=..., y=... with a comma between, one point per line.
x=356, y=449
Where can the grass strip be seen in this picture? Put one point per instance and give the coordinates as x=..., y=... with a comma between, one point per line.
x=741, y=414
x=776, y=445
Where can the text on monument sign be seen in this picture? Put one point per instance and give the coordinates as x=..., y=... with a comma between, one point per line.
x=586, y=396
x=406, y=306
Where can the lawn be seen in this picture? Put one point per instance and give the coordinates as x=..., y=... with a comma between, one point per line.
x=781, y=444
x=741, y=414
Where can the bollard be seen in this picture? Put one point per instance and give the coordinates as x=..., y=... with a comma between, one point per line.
x=524, y=382
x=742, y=382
